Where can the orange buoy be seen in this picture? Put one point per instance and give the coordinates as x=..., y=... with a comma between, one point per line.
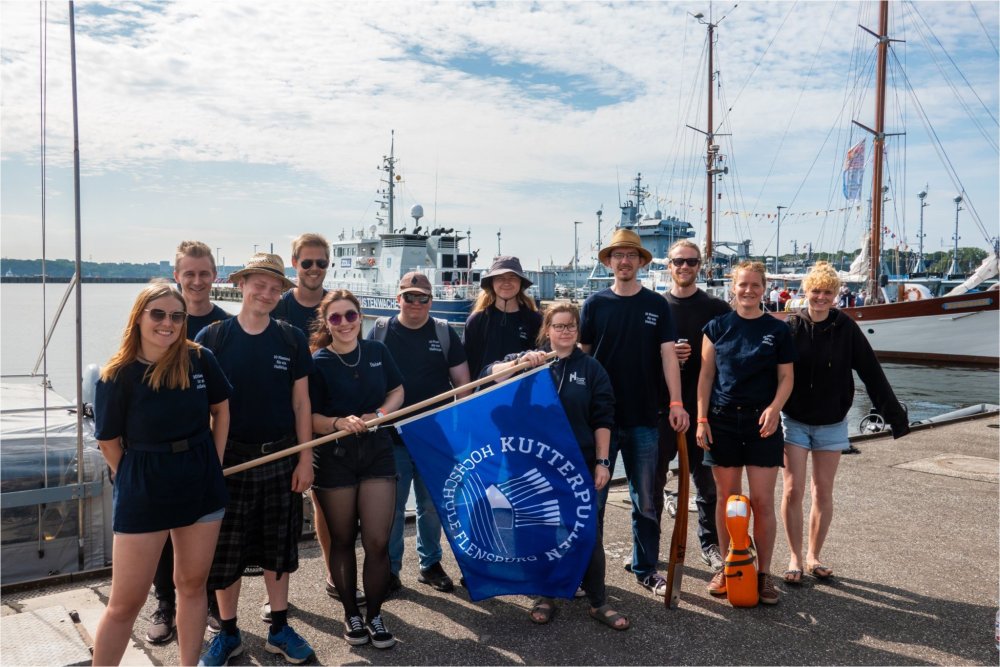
x=741, y=564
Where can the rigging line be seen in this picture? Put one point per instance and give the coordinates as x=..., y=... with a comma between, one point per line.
x=791, y=117
x=759, y=61
x=952, y=61
x=985, y=31
x=945, y=160
x=678, y=124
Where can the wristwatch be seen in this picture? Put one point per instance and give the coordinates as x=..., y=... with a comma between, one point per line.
x=604, y=462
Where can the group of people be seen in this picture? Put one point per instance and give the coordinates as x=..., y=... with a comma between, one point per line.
x=192, y=391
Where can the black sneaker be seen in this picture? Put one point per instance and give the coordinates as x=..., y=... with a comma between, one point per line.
x=359, y=595
x=435, y=577
x=354, y=631
x=395, y=585
x=380, y=636
x=161, y=626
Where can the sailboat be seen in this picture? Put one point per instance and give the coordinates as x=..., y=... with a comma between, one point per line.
x=958, y=327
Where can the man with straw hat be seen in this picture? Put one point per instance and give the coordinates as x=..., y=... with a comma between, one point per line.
x=628, y=329
x=268, y=364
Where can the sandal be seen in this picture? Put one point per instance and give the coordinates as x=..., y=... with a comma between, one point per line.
x=820, y=571
x=793, y=577
x=543, y=611
x=609, y=617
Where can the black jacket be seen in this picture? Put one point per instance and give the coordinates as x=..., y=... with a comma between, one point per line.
x=824, y=384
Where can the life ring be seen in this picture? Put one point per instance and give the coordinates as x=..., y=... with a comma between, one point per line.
x=913, y=294
x=371, y=261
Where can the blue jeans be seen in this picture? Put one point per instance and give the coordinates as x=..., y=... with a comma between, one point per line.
x=428, y=523
x=639, y=447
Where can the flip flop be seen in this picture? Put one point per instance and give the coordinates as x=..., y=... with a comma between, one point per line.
x=609, y=617
x=543, y=611
x=793, y=577
x=820, y=571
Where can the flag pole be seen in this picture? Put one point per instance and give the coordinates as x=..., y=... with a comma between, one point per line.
x=372, y=423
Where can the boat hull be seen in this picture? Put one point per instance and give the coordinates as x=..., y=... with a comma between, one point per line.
x=453, y=311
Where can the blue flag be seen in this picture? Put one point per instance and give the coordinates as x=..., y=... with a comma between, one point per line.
x=510, y=484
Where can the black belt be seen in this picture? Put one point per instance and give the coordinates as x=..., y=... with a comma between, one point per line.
x=255, y=449
x=175, y=447
x=737, y=409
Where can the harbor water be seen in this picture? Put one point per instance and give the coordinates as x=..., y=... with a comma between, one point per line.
x=927, y=390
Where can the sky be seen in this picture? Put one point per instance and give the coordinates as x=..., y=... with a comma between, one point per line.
x=244, y=124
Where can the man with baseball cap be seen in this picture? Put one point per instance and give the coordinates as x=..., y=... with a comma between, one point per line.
x=268, y=364
x=628, y=329
x=432, y=360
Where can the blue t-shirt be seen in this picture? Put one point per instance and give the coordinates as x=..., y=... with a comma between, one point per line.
x=295, y=313
x=626, y=333
x=418, y=355
x=747, y=354
x=262, y=369
x=195, y=323
x=354, y=383
x=128, y=407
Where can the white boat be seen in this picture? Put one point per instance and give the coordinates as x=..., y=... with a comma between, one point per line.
x=370, y=264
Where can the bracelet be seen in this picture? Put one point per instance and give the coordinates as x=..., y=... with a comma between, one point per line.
x=702, y=420
x=676, y=404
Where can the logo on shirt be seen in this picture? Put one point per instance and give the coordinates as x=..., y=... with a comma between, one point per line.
x=768, y=340
x=522, y=333
x=374, y=364
x=501, y=517
x=652, y=318
x=281, y=362
x=199, y=381
x=434, y=345
x=578, y=379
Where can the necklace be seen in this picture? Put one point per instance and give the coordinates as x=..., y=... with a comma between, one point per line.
x=341, y=359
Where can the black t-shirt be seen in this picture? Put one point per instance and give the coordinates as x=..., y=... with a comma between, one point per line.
x=295, y=313
x=418, y=355
x=491, y=334
x=128, y=407
x=195, y=323
x=690, y=315
x=262, y=369
x=354, y=383
x=747, y=354
x=625, y=333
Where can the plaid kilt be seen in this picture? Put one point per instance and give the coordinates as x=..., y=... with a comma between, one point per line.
x=263, y=521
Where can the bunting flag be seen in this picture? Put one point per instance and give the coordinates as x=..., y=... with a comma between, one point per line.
x=510, y=484
x=854, y=171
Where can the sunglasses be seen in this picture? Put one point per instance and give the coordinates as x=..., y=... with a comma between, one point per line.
x=158, y=315
x=422, y=299
x=336, y=318
x=308, y=263
x=681, y=261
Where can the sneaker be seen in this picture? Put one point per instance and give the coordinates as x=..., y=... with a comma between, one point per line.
x=766, y=591
x=395, y=585
x=670, y=504
x=222, y=647
x=212, y=622
x=354, y=631
x=381, y=638
x=161, y=625
x=580, y=593
x=717, y=586
x=265, y=612
x=713, y=557
x=289, y=644
x=693, y=504
x=435, y=577
x=359, y=595
x=655, y=582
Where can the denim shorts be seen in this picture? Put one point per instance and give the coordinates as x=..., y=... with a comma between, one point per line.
x=353, y=459
x=825, y=438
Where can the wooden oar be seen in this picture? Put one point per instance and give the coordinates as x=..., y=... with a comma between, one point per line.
x=678, y=542
x=392, y=416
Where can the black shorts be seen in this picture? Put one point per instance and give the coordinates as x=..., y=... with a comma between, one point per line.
x=736, y=439
x=353, y=459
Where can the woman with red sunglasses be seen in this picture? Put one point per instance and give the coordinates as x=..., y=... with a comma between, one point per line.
x=355, y=381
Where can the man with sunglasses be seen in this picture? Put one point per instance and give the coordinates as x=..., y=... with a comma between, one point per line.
x=432, y=360
x=629, y=330
x=310, y=259
x=691, y=309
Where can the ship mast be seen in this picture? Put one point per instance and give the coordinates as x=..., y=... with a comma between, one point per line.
x=389, y=166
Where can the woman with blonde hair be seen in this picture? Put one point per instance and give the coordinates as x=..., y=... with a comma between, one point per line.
x=162, y=418
x=830, y=347
x=746, y=376
x=504, y=320
x=355, y=381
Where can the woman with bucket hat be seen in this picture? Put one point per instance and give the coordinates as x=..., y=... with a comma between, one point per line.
x=504, y=320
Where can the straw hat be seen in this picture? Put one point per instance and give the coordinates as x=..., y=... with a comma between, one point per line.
x=624, y=239
x=266, y=264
